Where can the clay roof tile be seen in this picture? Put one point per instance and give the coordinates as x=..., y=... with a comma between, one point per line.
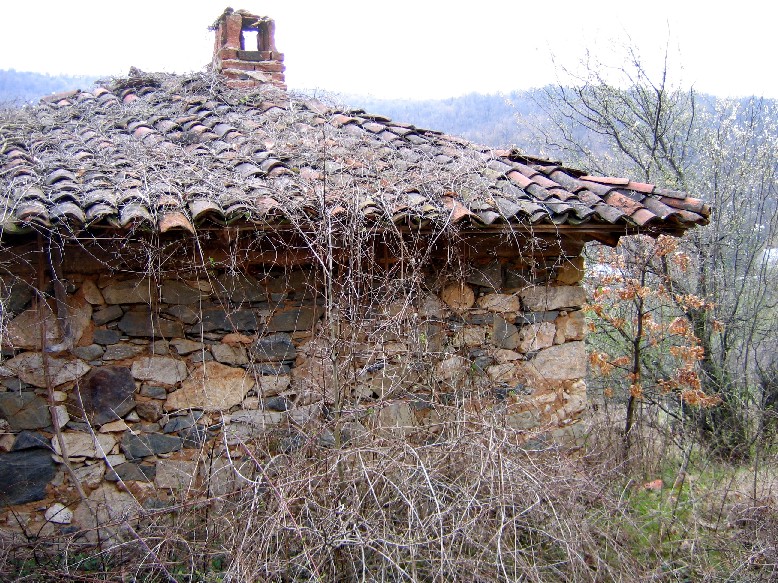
x=266, y=158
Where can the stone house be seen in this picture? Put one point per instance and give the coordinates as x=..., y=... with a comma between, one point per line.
x=191, y=263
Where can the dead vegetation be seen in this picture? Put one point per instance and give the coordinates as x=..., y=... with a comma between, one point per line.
x=473, y=506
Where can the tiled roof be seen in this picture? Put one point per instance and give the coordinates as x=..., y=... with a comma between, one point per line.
x=169, y=153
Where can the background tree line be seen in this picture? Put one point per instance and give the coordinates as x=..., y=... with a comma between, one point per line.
x=18, y=87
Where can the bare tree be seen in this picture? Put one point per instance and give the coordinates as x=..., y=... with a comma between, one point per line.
x=646, y=126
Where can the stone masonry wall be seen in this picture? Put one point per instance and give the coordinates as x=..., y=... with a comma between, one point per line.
x=165, y=378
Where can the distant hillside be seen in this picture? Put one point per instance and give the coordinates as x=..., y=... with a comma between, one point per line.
x=18, y=87
x=493, y=120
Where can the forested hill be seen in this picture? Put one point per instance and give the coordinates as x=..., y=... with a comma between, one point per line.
x=18, y=87
x=494, y=120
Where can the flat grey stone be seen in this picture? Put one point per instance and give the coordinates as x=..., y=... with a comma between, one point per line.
x=239, y=288
x=106, y=337
x=91, y=352
x=135, y=291
x=480, y=319
x=274, y=369
x=106, y=315
x=29, y=440
x=14, y=384
x=326, y=439
x=277, y=403
x=147, y=428
x=186, y=314
x=195, y=436
x=105, y=394
x=545, y=298
x=92, y=293
x=24, y=410
x=161, y=370
x=185, y=346
x=489, y=276
x=28, y=366
x=522, y=421
x=229, y=354
x=203, y=356
x=298, y=280
x=276, y=285
x=182, y=422
x=149, y=410
x=294, y=319
x=274, y=347
x=140, y=446
x=122, y=351
x=160, y=348
x=148, y=325
x=178, y=292
x=24, y=476
x=153, y=391
x=214, y=319
x=536, y=317
x=292, y=442
x=132, y=472
x=516, y=279
x=78, y=426
x=561, y=362
x=157, y=504
x=482, y=362
x=352, y=431
x=16, y=295
x=504, y=334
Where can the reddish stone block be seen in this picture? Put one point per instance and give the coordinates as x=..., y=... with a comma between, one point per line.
x=237, y=64
x=267, y=36
x=234, y=74
x=270, y=67
x=225, y=53
x=233, y=27
x=250, y=56
x=241, y=84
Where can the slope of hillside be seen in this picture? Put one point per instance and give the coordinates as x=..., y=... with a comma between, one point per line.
x=17, y=87
x=486, y=119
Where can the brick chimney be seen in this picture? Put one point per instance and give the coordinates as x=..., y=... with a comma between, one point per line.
x=246, y=62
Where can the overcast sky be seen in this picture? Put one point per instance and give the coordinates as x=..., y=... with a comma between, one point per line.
x=403, y=48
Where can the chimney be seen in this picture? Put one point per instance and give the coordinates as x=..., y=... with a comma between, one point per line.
x=245, y=50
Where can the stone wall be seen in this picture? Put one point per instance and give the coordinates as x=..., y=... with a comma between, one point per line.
x=154, y=382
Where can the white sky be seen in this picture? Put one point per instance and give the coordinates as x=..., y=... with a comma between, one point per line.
x=402, y=48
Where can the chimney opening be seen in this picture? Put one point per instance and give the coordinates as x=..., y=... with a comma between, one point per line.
x=249, y=40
